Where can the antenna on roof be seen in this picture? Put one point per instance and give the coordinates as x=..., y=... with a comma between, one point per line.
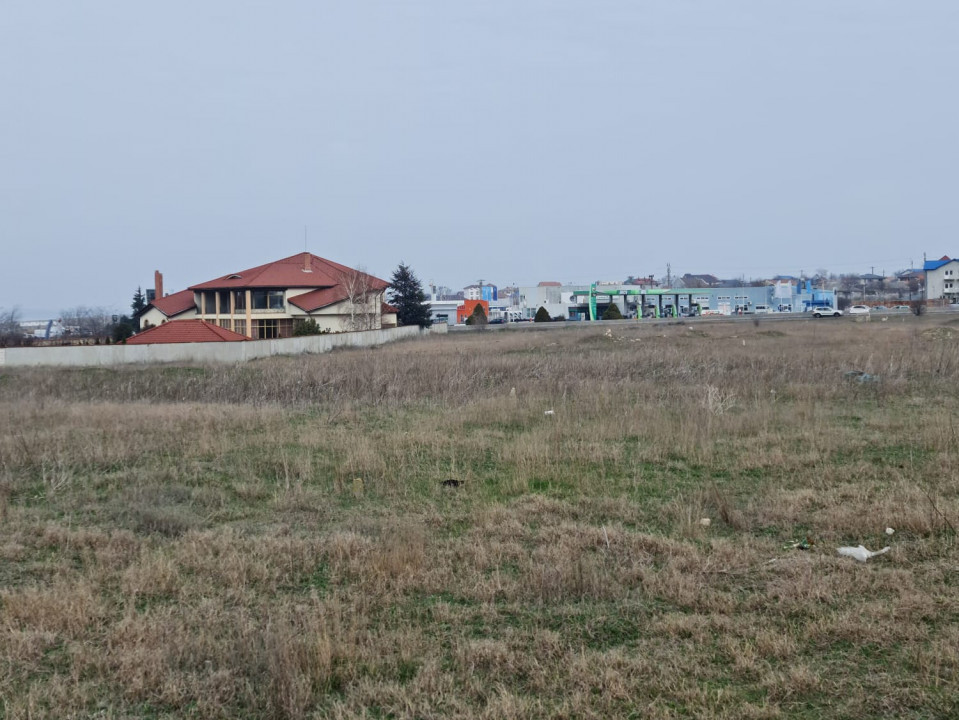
x=306, y=229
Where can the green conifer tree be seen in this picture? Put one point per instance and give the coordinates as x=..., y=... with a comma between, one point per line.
x=612, y=312
x=139, y=301
x=406, y=293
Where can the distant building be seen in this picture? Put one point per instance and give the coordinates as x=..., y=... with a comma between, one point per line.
x=480, y=292
x=910, y=274
x=555, y=297
x=441, y=292
x=942, y=279
x=468, y=308
x=43, y=329
x=700, y=281
x=444, y=311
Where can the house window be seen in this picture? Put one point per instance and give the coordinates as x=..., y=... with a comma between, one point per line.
x=264, y=329
x=239, y=300
x=209, y=298
x=271, y=329
x=268, y=300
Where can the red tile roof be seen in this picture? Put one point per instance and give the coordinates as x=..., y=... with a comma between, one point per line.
x=175, y=304
x=185, y=331
x=386, y=309
x=303, y=270
x=550, y=283
x=316, y=299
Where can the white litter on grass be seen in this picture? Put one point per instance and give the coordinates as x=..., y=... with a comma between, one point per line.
x=860, y=553
x=705, y=522
x=549, y=412
x=889, y=531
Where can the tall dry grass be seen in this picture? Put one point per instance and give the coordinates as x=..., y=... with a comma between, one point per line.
x=273, y=539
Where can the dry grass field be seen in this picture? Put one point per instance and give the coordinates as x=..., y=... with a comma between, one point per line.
x=273, y=540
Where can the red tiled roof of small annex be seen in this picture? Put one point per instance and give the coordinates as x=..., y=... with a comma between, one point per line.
x=316, y=299
x=185, y=331
x=289, y=272
x=175, y=304
x=388, y=309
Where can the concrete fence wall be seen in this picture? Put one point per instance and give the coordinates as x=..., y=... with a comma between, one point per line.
x=215, y=352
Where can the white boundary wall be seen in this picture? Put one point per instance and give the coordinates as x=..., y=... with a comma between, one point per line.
x=211, y=352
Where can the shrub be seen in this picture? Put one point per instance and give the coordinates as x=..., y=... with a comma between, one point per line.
x=612, y=312
x=478, y=316
x=542, y=315
x=308, y=327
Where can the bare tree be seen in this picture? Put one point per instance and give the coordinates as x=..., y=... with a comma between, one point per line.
x=363, y=297
x=87, y=322
x=10, y=331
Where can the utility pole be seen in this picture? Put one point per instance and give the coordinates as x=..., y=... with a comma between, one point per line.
x=669, y=276
x=909, y=280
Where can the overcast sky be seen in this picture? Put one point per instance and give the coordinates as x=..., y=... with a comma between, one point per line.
x=509, y=140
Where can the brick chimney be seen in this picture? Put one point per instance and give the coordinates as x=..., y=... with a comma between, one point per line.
x=157, y=285
x=307, y=267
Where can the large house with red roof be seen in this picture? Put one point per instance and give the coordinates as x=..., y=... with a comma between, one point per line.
x=268, y=301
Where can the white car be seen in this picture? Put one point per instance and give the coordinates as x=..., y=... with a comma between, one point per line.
x=859, y=310
x=825, y=311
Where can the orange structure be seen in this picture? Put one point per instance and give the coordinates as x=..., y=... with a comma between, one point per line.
x=467, y=308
